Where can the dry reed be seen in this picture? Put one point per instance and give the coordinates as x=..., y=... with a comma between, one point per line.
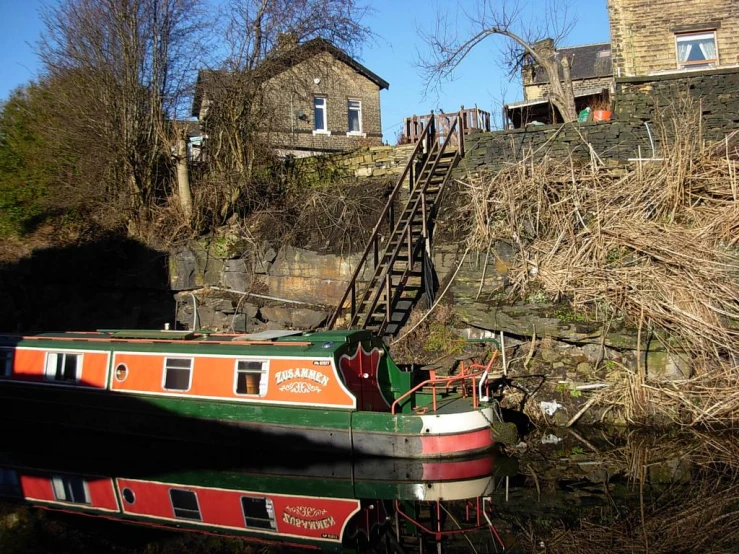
x=656, y=243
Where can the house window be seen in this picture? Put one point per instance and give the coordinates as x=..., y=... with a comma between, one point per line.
x=354, y=108
x=184, y=504
x=6, y=363
x=70, y=488
x=258, y=512
x=177, y=373
x=695, y=50
x=251, y=377
x=9, y=483
x=63, y=366
x=319, y=115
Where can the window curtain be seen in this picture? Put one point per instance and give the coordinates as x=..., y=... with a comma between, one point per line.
x=708, y=48
x=683, y=51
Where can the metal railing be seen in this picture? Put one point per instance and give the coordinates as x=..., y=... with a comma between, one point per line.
x=426, y=139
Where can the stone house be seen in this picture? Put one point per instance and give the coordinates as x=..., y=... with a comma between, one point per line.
x=667, y=39
x=592, y=81
x=660, y=36
x=318, y=98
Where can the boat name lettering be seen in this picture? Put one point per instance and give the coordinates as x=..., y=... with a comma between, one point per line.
x=301, y=373
x=312, y=524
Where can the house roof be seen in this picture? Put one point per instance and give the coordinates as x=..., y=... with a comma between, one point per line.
x=289, y=58
x=586, y=62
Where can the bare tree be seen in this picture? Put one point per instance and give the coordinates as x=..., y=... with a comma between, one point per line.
x=131, y=61
x=447, y=48
x=259, y=35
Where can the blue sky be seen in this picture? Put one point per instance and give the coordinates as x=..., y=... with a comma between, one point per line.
x=480, y=80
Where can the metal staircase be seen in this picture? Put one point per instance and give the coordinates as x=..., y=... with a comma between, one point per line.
x=396, y=277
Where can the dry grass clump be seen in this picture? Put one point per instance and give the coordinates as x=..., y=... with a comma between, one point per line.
x=656, y=243
x=691, y=506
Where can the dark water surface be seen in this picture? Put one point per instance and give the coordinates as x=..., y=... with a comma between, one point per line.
x=560, y=491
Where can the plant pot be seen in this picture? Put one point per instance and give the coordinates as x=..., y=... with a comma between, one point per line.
x=602, y=115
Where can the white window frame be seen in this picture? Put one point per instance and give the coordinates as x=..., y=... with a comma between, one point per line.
x=349, y=110
x=700, y=64
x=167, y=368
x=269, y=508
x=263, y=379
x=61, y=490
x=320, y=103
x=6, y=362
x=50, y=368
x=197, y=503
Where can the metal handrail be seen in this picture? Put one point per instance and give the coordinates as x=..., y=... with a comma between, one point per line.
x=404, y=228
x=398, y=185
x=447, y=381
x=440, y=532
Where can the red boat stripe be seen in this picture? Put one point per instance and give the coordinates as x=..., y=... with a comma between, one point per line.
x=467, y=469
x=455, y=443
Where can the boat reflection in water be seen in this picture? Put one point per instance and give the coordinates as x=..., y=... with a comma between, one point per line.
x=341, y=505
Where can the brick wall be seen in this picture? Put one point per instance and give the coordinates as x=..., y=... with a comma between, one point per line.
x=291, y=93
x=643, y=32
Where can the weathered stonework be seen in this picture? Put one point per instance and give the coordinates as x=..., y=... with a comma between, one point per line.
x=643, y=32
x=291, y=94
x=614, y=141
x=714, y=93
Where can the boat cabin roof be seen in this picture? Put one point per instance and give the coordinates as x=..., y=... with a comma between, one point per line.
x=276, y=342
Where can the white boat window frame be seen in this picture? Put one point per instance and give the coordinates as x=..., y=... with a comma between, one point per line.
x=59, y=484
x=263, y=379
x=166, y=368
x=50, y=369
x=197, y=503
x=269, y=508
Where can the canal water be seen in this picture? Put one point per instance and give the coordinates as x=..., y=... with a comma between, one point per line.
x=560, y=491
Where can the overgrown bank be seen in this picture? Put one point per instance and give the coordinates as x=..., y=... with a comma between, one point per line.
x=650, y=249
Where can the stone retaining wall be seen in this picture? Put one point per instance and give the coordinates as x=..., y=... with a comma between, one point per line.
x=714, y=93
x=375, y=161
x=616, y=140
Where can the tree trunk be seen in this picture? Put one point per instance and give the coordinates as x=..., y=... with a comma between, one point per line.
x=183, y=179
x=561, y=92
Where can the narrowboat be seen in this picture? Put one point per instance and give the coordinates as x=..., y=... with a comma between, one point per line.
x=335, y=392
x=336, y=506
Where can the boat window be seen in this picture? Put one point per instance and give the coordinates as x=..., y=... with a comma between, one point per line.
x=9, y=483
x=6, y=363
x=63, y=366
x=128, y=496
x=177, y=373
x=251, y=377
x=258, y=512
x=70, y=488
x=184, y=504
